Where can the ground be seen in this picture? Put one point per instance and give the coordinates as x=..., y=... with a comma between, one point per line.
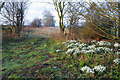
x=38, y=56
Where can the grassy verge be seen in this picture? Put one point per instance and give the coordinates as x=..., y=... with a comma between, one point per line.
x=38, y=58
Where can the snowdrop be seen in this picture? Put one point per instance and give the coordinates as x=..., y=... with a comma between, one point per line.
x=118, y=53
x=72, y=41
x=77, y=44
x=99, y=68
x=71, y=45
x=108, y=43
x=58, y=50
x=64, y=43
x=99, y=48
x=83, y=51
x=76, y=51
x=107, y=49
x=32, y=43
x=70, y=51
x=103, y=48
x=101, y=43
x=116, y=61
x=91, y=47
x=90, y=51
x=82, y=45
x=80, y=40
x=85, y=48
x=93, y=41
x=87, y=69
x=116, y=45
x=54, y=67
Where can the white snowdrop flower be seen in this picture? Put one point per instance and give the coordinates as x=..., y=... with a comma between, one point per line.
x=64, y=43
x=93, y=41
x=72, y=41
x=54, y=67
x=111, y=49
x=85, y=48
x=118, y=53
x=87, y=69
x=90, y=51
x=83, y=51
x=116, y=45
x=99, y=48
x=76, y=51
x=82, y=45
x=80, y=40
x=107, y=49
x=108, y=43
x=77, y=44
x=71, y=45
x=103, y=48
x=99, y=68
x=91, y=47
x=70, y=51
x=45, y=45
x=32, y=43
x=101, y=43
x=116, y=61
x=58, y=50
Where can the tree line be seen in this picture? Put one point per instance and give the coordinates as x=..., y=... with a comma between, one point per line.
x=89, y=19
x=47, y=20
x=83, y=19
x=13, y=16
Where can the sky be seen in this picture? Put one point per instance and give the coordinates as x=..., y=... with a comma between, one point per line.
x=36, y=9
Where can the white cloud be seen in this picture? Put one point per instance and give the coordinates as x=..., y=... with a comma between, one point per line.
x=37, y=7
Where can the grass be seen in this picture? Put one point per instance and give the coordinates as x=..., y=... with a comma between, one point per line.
x=37, y=58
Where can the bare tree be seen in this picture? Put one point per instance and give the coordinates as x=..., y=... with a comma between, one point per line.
x=13, y=14
x=48, y=19
x=60, y=7
x=109, y=13
x=36, y=23
x=73, y=18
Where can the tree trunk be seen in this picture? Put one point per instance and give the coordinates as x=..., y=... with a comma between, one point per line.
x=116, y=32
x=22, y=13
x=119, y=21
x=13, y=27
x=119, y=30
x=61, y=28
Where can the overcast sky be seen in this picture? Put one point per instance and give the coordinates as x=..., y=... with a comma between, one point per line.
x=36, y=9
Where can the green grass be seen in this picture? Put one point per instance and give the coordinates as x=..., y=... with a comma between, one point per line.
x=37, y=58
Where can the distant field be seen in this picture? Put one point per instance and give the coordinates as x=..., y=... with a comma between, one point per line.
x=43, y=30
x=34, y=31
